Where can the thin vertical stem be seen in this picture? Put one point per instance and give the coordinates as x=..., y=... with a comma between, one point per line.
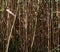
x=9, y=37
x=57, y=18
x=25, y=11
x=49, y=22
x=34, y=33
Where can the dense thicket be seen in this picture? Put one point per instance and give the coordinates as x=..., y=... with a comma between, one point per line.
x=29, y=25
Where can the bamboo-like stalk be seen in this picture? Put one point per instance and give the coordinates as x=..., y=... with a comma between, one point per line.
x=25, y=26
x=57, y=17
x=7, y=46
x=49, y=23
x=48, y=33
x=7, y=25
x=9, y=37
x=34, y=33
x=7, y=32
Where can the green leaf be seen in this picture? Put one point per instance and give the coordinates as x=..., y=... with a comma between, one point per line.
x=1, y=9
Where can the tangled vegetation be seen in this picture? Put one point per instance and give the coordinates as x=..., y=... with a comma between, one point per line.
x=29, y=25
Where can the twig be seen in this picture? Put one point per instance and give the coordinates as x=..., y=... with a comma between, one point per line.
x=34, y=33
x=10, y=12
x=7, y=46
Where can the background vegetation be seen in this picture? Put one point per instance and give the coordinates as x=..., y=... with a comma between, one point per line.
x=29, y=25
